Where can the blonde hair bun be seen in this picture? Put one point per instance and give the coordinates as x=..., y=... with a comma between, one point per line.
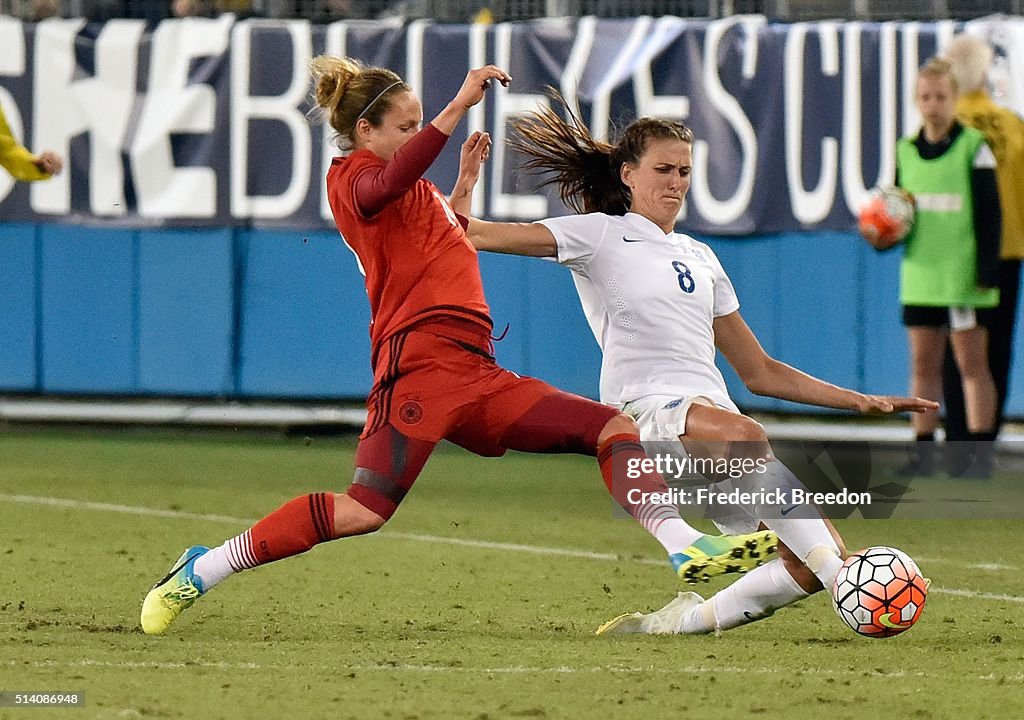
x=332, y=76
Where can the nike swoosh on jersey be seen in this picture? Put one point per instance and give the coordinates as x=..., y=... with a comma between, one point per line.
x=626, y=239
x=787, y=511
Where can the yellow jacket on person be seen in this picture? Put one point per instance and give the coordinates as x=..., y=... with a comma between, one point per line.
x=16, y=159
x=1004, y=132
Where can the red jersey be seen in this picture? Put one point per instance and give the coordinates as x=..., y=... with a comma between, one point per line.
x=414, y=254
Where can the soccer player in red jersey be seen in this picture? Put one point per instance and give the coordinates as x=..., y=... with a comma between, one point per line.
x=434, y=375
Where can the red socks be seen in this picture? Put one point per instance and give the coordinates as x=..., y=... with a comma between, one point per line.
x=614, y=456
x=293, y=528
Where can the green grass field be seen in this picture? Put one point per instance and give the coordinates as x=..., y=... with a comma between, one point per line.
x=444, y=614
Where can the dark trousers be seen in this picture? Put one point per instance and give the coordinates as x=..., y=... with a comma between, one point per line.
x=1000, y=322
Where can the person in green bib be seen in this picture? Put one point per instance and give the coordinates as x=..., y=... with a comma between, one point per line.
x=950, y=265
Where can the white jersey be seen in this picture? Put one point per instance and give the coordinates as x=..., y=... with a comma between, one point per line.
x=650, y=299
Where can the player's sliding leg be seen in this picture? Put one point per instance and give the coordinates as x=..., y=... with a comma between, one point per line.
x=810, y=538
x=713, y=432
x=811, y=553
x=714, y=555
x=387, y=464
x=615, y=439
x=756, y=595
x=812, y=550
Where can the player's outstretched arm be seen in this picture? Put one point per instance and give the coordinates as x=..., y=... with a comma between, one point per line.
x=475, y=151
x=764, y=375
x=375, y=188
x=530, y=239
x=472, y=91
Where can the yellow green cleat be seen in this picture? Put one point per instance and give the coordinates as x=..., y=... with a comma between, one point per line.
x=712, y=556
x=178, y=591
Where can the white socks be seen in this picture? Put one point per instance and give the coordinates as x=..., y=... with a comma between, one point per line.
x=757, y=594
x=808, y=537
x=223, y=561
x=675, y=534
x=763, y=590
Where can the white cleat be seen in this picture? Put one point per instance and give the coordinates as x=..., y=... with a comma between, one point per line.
x=669, y=620
x=666, y=621
x=625, y=624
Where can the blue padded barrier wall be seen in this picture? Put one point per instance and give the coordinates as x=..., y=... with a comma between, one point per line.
x=882, y=335
x=505, y=279
x=304, y=317
x=800, y=295
x=89, y=310
x=561, y=348
x=243, y=313
x=817, y=316
x=18, y=297
x=823, y=302
x=186, y=312
x=753, y=266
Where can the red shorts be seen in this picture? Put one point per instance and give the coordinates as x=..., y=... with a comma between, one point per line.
x=438, y=380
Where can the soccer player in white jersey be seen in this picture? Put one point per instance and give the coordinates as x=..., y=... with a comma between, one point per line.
x=659, y=303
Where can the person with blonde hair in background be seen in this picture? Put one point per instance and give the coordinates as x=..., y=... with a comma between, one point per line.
x=971, y=59
x=19, y=161
x=949, y=273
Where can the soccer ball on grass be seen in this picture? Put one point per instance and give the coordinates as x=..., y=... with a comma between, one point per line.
x=879, y=592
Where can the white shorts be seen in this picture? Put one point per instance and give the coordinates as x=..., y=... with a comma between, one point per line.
x=662, y=419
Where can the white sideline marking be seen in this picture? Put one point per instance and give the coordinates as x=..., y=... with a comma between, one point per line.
x=124, y=509
x=516, y=669
x=990, y=567
x=415, y=537
x=178, y=413
x=994, y=567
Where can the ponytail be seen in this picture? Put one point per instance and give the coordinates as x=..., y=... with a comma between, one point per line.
x=585, y=170
x=570, y=158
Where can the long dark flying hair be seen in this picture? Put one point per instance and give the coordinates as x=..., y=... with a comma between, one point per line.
x=560, y=148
